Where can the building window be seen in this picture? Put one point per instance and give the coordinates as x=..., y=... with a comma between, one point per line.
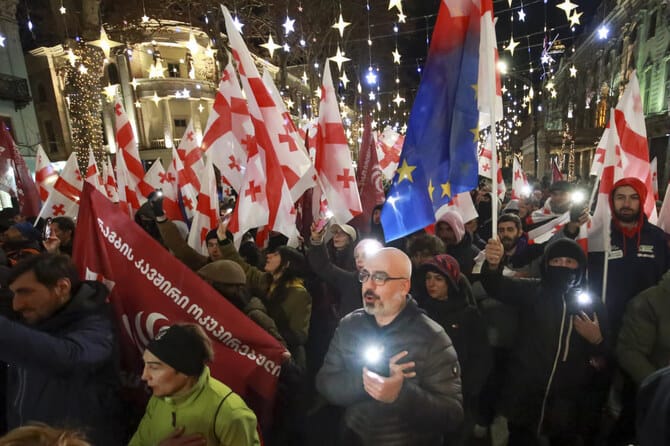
x=173, y=69
x=52, y=144
x=180, y=124
x=652, y=25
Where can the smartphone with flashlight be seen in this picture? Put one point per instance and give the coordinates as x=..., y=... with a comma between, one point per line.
x=376, y=361
x=226, y=213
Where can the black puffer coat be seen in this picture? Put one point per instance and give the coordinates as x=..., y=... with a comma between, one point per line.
x=550, y=369
x=428, y=405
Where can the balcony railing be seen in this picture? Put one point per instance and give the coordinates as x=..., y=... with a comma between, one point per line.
x=15, y=89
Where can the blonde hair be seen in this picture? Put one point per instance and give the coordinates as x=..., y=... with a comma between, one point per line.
x=39, y=434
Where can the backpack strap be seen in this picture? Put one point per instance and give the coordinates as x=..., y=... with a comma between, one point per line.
x=216, y=415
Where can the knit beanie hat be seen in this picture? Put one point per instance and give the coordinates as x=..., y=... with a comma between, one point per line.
x=181, y=349
x=224, y=271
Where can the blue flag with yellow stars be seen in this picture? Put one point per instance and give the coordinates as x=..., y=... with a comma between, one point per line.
x=439, y=157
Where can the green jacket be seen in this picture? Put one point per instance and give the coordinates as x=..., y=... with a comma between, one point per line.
x=644, y=339
x=180, y=247
x=211, y=409
x=291, y=312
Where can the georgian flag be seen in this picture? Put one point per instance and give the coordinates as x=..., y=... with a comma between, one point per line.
x=191, y=156
x=45, y=174
x=207, y=212
x=64, y=198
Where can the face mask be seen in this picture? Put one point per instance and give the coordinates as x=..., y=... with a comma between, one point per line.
x=561, y=278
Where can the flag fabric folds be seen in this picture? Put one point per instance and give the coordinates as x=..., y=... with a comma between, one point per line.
x=207, y=211
x=333, y=159
x=520, y=186
x=45, y=174
x=369, y=178
x=157, y=178
x=15, y=176
x=64, y=198
x=191, y=156
x=439, y=157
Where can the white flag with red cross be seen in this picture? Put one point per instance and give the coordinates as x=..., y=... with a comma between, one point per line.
x=189, y=195
x=389, y=146
x=130, y=199
x=296, y=168
x=157, y=178
x=127, y=149
x=632, y=132
x=520, y=186
x=64, y=198
x=92, y=174
x=463, y=203
x=45, y=174
x=111, y=188
x=206, y=212
x=486, y=169
x=284, y=167
x=228, y=130
x=599, y=157
x=333, y=159
x=191, y=156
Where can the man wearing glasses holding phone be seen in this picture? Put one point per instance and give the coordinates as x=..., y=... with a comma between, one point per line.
x=393, y=369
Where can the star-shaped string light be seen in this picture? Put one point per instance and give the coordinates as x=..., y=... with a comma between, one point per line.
x=82, y=68
x=574, y=18
x=62, y=9
x=372, y=96
x=305, y=79
x=396, y=56
x=339, y=58
x=344, y=79
x=71, y=57
x=110, y=92
x=155, y=98
x=522, y=15
x=567, y=6
x=395, y=4
x=398, y=99
x=546, y=59
x=201, y=108
x=238, y=25
x=290, y=104
x=138, y=104
x=511, y=46
x=145, y=18
x=504, y=89
x=402, y=18
x=286, y=47
x=573, y=71
x=340, y=25
x=288, y=26
x=271, y=46
x=134, y=83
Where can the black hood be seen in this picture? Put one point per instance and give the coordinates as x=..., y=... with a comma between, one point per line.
x=565, y=248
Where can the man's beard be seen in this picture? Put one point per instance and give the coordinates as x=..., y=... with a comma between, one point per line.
x=627, y=218
x=508, y=243
x=370, y=307
x=559, y=208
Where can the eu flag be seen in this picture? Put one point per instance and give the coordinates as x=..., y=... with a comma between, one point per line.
x=439, y=157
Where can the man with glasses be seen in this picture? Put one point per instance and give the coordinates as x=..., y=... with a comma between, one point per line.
x=393, y=369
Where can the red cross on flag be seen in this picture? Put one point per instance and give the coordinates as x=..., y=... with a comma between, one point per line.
x=228, y=129
x=485, y=169
x=93, y=174
x=389, y=146
x=127, y=149
x=333, y=159
x=520, y=186
x=463, y=204
x=630, y=125
x=295, y=164
x=157, y=178
x=189, y=194
x=599, y=228
x=207, y=211
x=64, y=198
x=129, y=198
x=191, y=156
x=111, y=188
x=45, y=174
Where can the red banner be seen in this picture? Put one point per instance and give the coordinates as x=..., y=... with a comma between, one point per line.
x=152, y=289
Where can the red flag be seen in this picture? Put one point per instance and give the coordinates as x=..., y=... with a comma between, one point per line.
x=369, y=177
x=64, y=198
x=333, y=159
x=630, y=125
x=152, y=289
x=191, y=157
x=15, y=177
x=229, y=129
x=45, y=174
x=157, y=178
x=206, y=215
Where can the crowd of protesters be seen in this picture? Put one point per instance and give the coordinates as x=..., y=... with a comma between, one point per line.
x=460, y=334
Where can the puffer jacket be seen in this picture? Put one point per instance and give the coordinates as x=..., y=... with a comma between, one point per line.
x=428, y=405
x=644, y=339
x=550, y=365
x=64, y=370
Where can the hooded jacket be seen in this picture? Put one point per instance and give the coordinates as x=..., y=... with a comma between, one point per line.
x=64, y=370
x=427, y=405
x=641, y=254
x=549, y=368
x=463, y=251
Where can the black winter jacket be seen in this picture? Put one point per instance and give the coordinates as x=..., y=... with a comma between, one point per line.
x=64, y=370
x=550, y=365
x=428, y=405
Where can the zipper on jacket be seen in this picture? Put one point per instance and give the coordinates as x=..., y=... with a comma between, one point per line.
x=20, y=395
x=567, y=341
x=553, y=368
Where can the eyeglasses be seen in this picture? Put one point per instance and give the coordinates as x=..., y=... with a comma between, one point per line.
x=379, y=277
